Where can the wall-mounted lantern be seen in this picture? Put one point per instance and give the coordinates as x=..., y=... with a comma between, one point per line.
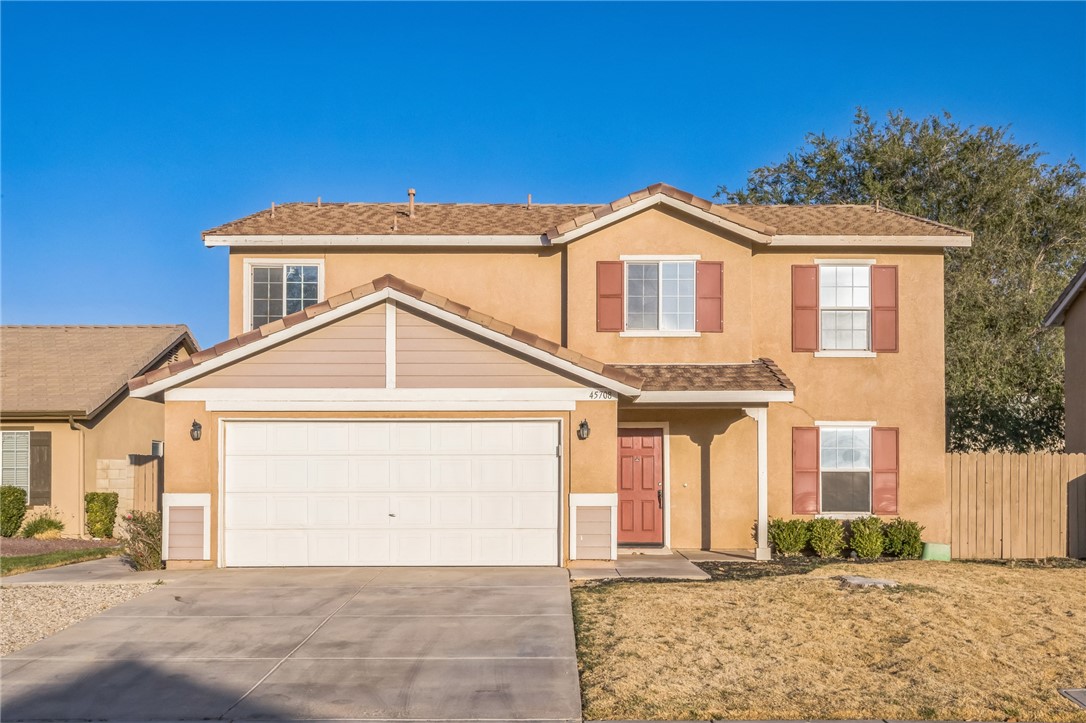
x=583, y=430
x=196, y=431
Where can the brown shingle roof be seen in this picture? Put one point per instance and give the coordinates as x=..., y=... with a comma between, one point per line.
x=762, y=375
x=554, y=220
x=417, y=292
x=75, y=370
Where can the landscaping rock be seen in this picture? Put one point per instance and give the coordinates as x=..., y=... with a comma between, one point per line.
x=858, y=581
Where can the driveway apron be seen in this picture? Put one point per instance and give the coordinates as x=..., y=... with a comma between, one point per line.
x=313, y=644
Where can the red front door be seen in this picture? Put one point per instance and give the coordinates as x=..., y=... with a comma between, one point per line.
x=641, y=486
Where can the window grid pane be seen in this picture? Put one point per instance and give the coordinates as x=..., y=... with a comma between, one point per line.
x=677, y=299
x=642, y=296
x=15, y=454
x=660, y=296
x=845, y=460
x=281, y=290
x=845, y=301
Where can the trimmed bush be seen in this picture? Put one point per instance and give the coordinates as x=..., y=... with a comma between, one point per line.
x=902, y=538
x=12, y=509
x=101, y=513
x=865, y=537
x=141, y=535
x=46, y=521
x=788, y=537
x=827, y=536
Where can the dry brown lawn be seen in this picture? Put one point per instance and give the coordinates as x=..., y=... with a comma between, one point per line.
x=958, y=641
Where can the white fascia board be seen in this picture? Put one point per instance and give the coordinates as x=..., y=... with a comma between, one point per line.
x=878, y=241
x=855, y=424
x=389, y=406
x=656, y=200
x=375, y=240
x=717, y=397
x=339, y=394
x=1056, y=316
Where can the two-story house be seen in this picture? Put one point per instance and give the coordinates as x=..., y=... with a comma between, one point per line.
x=527, y=384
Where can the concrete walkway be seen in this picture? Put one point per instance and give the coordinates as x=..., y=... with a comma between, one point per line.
x=107, y=571
x=659, y=563
x=312, y=644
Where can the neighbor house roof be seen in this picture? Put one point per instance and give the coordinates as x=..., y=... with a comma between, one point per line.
x=761, y=375
x=1056, y=314
x=74, y=371
x=556, y=223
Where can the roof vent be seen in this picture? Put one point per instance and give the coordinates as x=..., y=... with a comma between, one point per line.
x=318, y=201
x=529, y=201
x=411, y=202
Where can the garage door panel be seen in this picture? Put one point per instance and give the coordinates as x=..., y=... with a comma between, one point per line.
x=411, y=474
x=329, y=548
x=452, y=547
x=535, y=438
x=535, y=474
x=411, y=547
x=535, y=547
x=329, y=475
x=452, y=511
x=492, y=474
x=247, y=439
x=370, y=474
x=329, y=511
x=491, y=511
x=412, y=511
x=451, y=474
x=370, y=511
x=328, y=437
x=534, y=512
x=288, y=438
x=452, y=437
x=371, y=548
x=289, y=511
x=493, y=548
x=492, y=437
x=370, y=437
x=246, y=511
x=287, y=474
x=247, y=473
x=411, y=437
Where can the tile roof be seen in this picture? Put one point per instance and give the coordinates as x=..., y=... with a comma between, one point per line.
x=554, y=220
x=75, y=370
x=404, y=287
x=762, y=375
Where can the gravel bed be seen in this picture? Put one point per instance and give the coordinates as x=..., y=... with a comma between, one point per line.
x=15, y=546
x=34, y=612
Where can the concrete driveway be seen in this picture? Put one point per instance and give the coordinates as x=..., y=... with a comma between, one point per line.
x=313, y=644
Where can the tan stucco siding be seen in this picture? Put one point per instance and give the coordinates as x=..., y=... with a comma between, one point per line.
x=429, y=354
x=521, y=287
x=1074, y=377
x=657, y=232
x=348, y=353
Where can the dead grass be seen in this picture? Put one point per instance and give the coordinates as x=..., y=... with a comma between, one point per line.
x=958, y=641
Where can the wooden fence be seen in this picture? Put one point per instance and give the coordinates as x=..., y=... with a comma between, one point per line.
x=1017, y=506
x=146, y=482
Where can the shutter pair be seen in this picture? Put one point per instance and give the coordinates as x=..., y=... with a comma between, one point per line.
x=885, y=474
x=805, y=323
x=708, y=292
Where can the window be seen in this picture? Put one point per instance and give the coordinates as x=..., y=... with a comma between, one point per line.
x=281, y=289
x=660, y=296
x=844, y=294
x=845, y=461
x=16, y=460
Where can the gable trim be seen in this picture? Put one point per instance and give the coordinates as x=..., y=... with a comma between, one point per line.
x=872, y=240
x=1058, y=312
x=270, y=240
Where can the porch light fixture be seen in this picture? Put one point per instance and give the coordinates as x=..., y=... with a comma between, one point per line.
x=583, y=430
x=196, y=431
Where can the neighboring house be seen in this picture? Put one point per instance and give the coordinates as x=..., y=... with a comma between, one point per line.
x=530, y=384
x=1069, y=311
x=67, y=420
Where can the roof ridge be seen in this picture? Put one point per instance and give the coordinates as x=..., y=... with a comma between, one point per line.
x=940, y=224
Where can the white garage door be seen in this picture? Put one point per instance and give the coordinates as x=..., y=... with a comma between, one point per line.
x=391, y=493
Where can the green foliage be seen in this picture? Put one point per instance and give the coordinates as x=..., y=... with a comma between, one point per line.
x=1004, y=371
x=865, y=537
x=44, y=521
x=902, y=538
x=141, y=535
x=827, y=536
x=16, y=564
x=101, y=513
x=12, y=509
x=788, y=537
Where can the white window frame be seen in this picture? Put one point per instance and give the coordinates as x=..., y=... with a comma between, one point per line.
x=17, y=467
x=845, y=353
x=628, y=259
x=247, y=282
x=822, y=426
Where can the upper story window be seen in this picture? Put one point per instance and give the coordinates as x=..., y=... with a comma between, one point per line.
x=277, y=289
x=844, y=294
x=660, y=296
x=845, y=469
x=16, y=460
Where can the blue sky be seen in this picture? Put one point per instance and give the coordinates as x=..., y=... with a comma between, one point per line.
x=129, y=128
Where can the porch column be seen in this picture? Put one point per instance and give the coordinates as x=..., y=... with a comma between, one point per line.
x=759, y=415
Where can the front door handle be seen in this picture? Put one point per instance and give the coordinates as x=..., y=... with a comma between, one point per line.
x=660, y=498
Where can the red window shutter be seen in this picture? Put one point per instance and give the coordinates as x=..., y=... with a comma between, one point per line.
x=804, y=470
x=609, y=304
x=884, y=470
x=709, y=310
x=884, y=308
x=804, y=308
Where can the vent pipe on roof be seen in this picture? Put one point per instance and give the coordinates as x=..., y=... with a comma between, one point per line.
x=411, y=202
x=318, y=201
x=273, y=208
x=876, y=204
x=529, y=201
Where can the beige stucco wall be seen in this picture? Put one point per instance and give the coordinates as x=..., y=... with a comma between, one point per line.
x=1074, y=377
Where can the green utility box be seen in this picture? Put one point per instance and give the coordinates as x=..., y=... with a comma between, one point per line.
x=936, y=551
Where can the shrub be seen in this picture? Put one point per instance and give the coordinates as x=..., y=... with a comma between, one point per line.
x=12, y=509
x=827, y=536
x=903, y=538
x=788, y=537
x=865, y=537
x=101, y=513
x=141, y=535
x=45, y=521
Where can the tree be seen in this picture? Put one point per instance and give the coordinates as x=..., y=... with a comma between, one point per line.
x=1004, y=371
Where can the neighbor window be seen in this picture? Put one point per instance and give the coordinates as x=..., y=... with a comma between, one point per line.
x=845, y=460
x=844, y=294
x=16, y=460
x=660, y=296
x=279, y=290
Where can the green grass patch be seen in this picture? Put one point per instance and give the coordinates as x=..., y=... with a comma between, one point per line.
x=27, y=563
